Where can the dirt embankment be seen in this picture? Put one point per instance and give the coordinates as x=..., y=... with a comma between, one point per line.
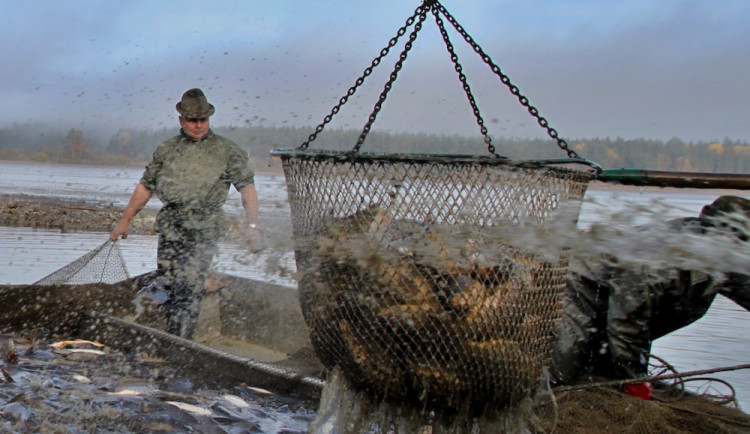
x=68, y=215
x=75, y=215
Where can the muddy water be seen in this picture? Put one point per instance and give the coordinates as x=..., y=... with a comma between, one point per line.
x=101, y=390
x=717, y=340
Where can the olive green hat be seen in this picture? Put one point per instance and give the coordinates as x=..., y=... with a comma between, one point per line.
x=728, y=212
x=194, y=105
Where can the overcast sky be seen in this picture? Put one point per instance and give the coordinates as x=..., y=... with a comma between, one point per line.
x=630, y=68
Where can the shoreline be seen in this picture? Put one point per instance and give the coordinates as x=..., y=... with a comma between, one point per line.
x=76, y=215
x=135, y=165
x=72, y=215
x=68, y=215
x=265, y=170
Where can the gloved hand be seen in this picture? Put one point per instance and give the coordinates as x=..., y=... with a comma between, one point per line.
x=639, y=390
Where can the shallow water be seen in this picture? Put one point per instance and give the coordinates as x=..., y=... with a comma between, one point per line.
x=26, y=255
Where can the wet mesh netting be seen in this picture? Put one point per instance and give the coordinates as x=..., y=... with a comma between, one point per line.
x=104, y=264
x=609, y=410
x=408, y=280
x=682, y=402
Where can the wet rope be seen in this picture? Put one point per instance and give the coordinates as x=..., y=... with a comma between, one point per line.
x=679, y=375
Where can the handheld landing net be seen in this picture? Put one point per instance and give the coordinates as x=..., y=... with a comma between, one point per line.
x=413, y=277
x=104, y=264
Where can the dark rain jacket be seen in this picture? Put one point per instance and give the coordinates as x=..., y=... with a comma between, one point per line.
x=612, y=314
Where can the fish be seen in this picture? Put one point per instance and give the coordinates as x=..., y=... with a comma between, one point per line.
x=190, y=408
x=75, y=343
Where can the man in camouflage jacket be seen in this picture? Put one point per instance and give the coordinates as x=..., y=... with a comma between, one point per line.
x=191, y=173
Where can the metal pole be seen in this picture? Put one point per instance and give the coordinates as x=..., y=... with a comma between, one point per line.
x=656, y=178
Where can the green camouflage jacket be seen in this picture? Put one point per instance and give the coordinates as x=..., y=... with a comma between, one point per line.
x=192, y=178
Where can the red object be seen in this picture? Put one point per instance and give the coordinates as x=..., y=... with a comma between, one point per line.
x=639, y=390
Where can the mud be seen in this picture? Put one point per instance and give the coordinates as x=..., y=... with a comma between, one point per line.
x=68, y=215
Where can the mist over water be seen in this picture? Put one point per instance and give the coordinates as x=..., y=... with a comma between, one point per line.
x=644, y=230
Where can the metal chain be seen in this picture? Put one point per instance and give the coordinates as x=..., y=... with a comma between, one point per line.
x=464, y=83
x=419, y=11
x=389, y=84
x=561, y=143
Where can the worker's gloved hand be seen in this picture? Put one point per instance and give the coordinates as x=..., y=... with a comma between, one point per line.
x=639, y=390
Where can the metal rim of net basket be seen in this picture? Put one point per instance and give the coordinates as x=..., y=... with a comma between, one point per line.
x=558, y=164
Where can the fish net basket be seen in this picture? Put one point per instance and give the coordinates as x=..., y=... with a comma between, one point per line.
x=412, y=278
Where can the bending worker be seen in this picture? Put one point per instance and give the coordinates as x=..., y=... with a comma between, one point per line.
x=190, y=173
x=613, y=313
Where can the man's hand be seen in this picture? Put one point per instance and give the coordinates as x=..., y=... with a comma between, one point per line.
x=138, y=200
x=254, y=237
x=121, y=230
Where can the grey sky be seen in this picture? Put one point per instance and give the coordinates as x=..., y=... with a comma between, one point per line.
x=654, y=69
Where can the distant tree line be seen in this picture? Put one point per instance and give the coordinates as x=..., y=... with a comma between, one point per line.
x=40, y=143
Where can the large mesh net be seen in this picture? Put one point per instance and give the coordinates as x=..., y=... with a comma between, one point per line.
x=410, y=281
x=607, y=409
x=104, y=264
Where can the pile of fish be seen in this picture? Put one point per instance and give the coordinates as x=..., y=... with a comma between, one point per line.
x=437, y=313
x=84, y=386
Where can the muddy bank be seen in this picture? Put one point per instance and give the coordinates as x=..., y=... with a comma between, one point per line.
x=45, y=212
x=68, y=215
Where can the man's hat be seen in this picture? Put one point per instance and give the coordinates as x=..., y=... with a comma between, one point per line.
x=194, y=105
x=728, y=212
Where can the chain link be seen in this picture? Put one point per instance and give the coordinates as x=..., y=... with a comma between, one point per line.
x=561, y=143
x=420, y=12
x=375, y=62
x=389, y=84
x=464, y=83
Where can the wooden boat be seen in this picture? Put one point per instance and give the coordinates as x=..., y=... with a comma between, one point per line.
x=249, y=331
